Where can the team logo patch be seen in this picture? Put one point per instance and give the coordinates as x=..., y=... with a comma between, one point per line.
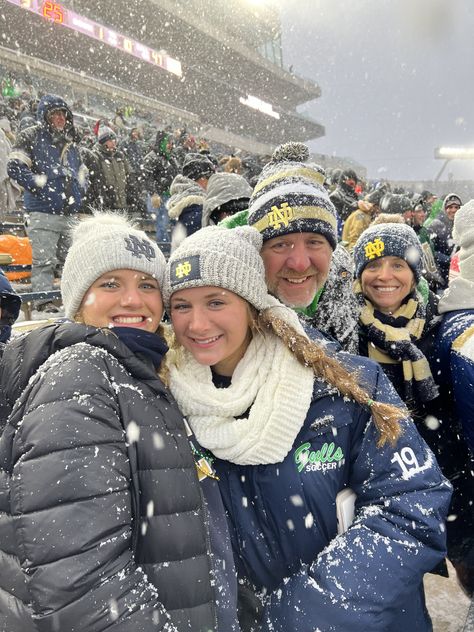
x=282, y=216
x=328, y=457
x=140, y=247
x=374, y=248
x=187, y=269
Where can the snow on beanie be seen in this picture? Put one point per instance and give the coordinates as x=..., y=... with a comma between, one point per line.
x=221, y=189
x=218, y=257
x=103, y=243
x=289, y=197
x=389, y=240
x=197, y=166
x=105, y=133
x=463, y=235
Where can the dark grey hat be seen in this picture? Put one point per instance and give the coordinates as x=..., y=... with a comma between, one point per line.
x=197, y=166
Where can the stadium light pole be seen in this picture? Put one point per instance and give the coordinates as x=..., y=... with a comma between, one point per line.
x=452, y=153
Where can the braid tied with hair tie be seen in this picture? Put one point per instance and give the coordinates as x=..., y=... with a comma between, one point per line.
x=386, y=416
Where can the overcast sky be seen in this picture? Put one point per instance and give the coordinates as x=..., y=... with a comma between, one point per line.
x=397, y=78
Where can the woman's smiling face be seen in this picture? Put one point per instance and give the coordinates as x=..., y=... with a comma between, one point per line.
x=213, y=324
x=123, y=298
x=386, y=282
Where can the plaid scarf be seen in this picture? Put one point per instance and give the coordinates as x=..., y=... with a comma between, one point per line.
x=392, y=340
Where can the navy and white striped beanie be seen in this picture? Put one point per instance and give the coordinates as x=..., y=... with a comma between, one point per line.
x=290, y=197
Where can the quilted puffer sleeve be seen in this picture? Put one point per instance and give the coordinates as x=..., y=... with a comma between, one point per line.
x=71, y=501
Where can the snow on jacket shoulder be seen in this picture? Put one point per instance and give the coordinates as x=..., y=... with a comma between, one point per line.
x=99, y=498
x=370, y=577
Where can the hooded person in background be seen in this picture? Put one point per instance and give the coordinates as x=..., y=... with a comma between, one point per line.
x=104, y=497
x=440, y=233
x=344, y=196
x=288, y=427
x=45, y=161
x=227, y=194
x=159, y=169
x=188, y=192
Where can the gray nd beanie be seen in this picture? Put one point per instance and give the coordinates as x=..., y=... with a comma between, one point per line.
x=218, y=257
x=463, y=235
x=389, y=240
x=101, y=244
x=289, y=197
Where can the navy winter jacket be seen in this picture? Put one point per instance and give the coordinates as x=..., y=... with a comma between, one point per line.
x=284, y=521
x=48, y=165
x=452, y=355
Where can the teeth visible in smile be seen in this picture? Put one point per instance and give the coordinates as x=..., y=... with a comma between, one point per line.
x=386, y=289
x=206, y=341
x=297, y=281
x=128, y=320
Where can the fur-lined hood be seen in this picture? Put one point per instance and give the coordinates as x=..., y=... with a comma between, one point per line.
x=184, y=193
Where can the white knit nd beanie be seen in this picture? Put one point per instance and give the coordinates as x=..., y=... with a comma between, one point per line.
x=101, y=244
x=219, y=257
x=463, y=235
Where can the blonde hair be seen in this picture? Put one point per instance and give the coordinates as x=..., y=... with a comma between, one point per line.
x=310, y=354
x=386, y=416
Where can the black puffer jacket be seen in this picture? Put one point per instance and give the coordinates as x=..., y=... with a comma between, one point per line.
x=99, y=498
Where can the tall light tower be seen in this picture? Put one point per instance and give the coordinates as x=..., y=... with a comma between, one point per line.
x=452, y=153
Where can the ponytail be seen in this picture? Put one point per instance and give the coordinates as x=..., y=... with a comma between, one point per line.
x=386, y=416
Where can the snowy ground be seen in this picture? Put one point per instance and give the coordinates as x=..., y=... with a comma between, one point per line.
x=447, y=604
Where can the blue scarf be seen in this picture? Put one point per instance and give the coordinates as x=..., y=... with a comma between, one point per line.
x=143, y=343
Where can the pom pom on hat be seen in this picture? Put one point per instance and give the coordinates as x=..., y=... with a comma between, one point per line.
x=289, y=197
x=103, y=243
x=291, y=152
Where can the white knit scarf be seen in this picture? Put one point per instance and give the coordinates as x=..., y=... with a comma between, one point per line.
x=269, y=382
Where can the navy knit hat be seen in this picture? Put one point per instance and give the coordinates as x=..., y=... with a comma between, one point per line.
x=290, y=197
x=389, y=240
x=197, y=166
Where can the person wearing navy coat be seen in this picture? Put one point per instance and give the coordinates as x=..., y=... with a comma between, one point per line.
x=336, y=505
x=452, y=362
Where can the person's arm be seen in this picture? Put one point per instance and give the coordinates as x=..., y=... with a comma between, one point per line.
x=360, y=579
x=150, y=165
x=20, y=163
x=71, y=498
x=462, y=371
